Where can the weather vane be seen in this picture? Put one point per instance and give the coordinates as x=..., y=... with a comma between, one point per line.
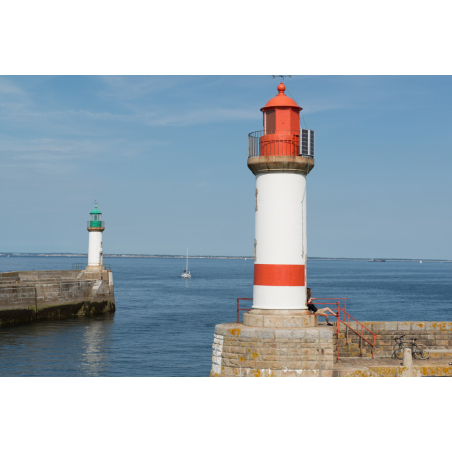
x=95, y=202
x=282, y=76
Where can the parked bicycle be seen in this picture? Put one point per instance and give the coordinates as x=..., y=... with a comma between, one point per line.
x=418, y=351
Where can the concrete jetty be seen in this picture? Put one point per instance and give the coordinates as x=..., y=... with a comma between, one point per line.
x=29, y=296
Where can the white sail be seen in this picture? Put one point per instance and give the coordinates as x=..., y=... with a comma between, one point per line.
x=186, y=273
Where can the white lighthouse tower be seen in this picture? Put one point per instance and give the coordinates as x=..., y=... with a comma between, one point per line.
x=278, y=337
x=280, y=156
x=95, y=228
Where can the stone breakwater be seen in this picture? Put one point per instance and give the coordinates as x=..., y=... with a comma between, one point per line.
x=243, y=351
x=437, y=336
x=41, y=295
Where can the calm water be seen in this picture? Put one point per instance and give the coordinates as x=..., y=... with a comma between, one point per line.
x=163, y=325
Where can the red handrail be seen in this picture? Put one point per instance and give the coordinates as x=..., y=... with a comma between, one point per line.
x=361, y=335
x=238, y=308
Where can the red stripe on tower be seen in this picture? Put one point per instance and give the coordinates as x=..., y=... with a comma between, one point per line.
x=279, y=275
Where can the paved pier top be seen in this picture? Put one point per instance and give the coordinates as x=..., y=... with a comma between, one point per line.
x=387, y=367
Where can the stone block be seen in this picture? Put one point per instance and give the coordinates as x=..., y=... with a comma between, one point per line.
x=267, y=351
x=438, y=326
x=265, y=334
x=299, y=334
x=270, y=343
x=309, y=321
x=227, y=371
x=283, y=334
x=312, y=336
x=327, y=373
x=293, y=365
x=310, y=365
x=288, y=373
x=251, y=351
x=260, y=344
x=268, y=358
x=326, y=365
x=292, y=322
x=296, y=358
x=326, y=334
x=247, y=333
x=380, y=326
x=292, y=343
x=418, y=326
x=309, y=373
x=403, y=326
x=271, y=321
x=253, y=320
x=313, y=345
x=248, y=364
x=221, y=329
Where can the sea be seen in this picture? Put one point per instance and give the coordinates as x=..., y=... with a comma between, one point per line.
x=163, y=325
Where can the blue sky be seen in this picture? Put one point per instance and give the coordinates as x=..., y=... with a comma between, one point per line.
x=166, y=158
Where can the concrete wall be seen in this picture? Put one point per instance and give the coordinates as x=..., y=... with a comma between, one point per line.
x=437, y=336
x=28, y=296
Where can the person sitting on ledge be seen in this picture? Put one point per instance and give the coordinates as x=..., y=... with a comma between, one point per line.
x=317, y=311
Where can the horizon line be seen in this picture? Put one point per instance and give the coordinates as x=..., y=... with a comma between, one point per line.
x=197, y=256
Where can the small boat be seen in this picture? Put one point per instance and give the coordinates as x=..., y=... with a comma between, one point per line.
x=186, y=274
x=420, y=262
x=377, y=260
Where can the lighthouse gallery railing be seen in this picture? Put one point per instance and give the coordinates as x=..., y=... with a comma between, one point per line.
x=281, y=142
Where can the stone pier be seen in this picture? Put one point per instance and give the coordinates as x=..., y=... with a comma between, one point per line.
x=289, y=344
x=41, y=295
x=274, y=343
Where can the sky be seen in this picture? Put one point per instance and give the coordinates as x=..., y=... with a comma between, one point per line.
x=165, y=156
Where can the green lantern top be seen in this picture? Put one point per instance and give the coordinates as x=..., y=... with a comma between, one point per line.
x=95, y=218
x=95, y=210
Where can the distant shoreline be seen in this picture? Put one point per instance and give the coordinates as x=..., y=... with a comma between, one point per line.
x=177, y=256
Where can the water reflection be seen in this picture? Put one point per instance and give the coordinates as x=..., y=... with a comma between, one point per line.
x=96, y=343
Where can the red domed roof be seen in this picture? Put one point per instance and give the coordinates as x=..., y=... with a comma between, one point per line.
x=281, y=100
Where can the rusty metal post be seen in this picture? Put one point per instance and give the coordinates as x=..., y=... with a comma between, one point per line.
x=348, y=321
x=362, y=332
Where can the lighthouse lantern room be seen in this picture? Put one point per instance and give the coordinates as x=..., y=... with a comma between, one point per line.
x=95, y=228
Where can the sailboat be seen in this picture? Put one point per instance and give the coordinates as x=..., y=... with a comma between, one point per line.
x=186, y=273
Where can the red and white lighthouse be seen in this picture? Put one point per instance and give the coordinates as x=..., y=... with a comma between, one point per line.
x=280, y=156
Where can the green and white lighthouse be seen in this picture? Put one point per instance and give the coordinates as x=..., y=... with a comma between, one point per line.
x=95, y=228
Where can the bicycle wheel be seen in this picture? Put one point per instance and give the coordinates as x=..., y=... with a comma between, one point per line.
x=398, y=351
x=421, y=352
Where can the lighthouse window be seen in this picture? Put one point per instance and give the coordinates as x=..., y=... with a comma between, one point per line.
x=270, y=121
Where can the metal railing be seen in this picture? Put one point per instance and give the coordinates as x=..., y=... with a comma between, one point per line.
x=96, y=224
x=361, y=335
x=345, y=321
x=238, y=307
x=278, y=142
